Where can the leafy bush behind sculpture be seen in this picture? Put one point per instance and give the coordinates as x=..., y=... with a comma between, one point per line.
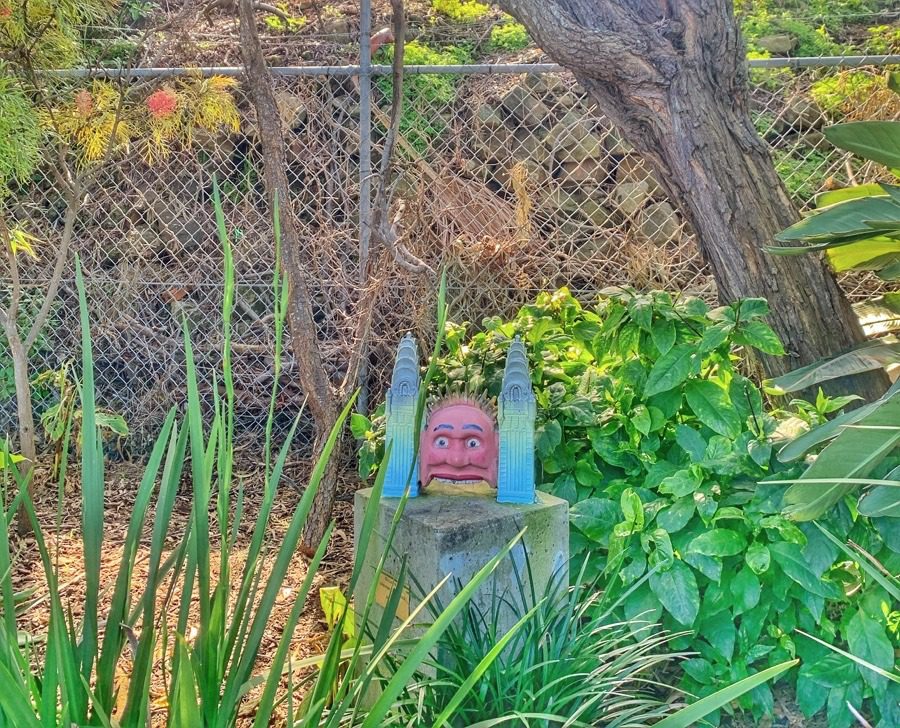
x=648, y=428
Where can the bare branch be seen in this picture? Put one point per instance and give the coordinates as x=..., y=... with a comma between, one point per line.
x=300, y=318
x=73, y=207
x=383, y=229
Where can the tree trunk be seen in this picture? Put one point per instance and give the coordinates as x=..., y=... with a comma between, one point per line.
x=671, y=75
x=304, y=340
x=25, y=417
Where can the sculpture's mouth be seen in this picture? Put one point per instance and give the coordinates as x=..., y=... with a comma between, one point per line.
x=458, y=481
x=460, y=478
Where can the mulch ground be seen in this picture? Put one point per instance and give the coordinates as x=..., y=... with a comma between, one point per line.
x=62, y=531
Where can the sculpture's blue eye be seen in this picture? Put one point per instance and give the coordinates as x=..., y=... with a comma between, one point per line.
x=442, y=442
x=473, y=442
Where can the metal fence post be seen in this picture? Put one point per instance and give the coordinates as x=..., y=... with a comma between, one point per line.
x=365, y=176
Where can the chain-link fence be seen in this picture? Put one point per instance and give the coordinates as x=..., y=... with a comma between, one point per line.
x=512, y=181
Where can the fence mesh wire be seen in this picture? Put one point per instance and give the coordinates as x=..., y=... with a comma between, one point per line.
x=514, y=183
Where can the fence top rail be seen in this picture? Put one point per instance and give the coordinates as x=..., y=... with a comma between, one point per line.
x=471, y=68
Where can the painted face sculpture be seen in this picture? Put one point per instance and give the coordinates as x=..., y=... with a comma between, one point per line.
x=459, y=445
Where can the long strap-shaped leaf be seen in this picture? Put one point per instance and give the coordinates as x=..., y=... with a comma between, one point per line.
x=692, y=714
x=240, y=673
x=406, y=669
x=91, y=488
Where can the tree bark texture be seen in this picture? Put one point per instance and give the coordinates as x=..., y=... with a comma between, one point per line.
x=304, y=339
x=671, y=75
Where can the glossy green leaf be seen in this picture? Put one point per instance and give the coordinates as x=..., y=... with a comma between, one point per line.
x=663, y=334
x=843, y=221
x=712, y=407
x=790, y=558
x=759, y=335
x=677, y=515
x=547, y=437
x=746, y=589
x=868, y=640
x=691, y=442
x=640, y=418
x=717, y=542
x=863, y=358
x=852, y=455
x=359, y=425
x=671, y=369
x=677, y=591
x=832, y=197
x=681, y=483
x=881, y=501
x=595, y=517
x=872, y=254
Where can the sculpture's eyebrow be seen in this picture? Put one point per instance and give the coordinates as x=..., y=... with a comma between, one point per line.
x=444, y=427
x=473, y=427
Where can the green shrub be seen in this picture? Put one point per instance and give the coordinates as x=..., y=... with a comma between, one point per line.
x=510, y=36
x=856, y=94
x=566, y=657
x=425, y=96
x=462, y=11
x=20, y=133
x=883, y=40
x=662, y=447
x=802, y=175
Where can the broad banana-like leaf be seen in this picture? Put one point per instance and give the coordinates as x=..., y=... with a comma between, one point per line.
x=830, y=197
x=853, y=454
x=863, y=358
x=881, y=501
x=880, y=315
x=878, y=141
x=844, y=220
x=875, y=254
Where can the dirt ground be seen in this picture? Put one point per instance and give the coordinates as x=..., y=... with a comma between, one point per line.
x=64, y=542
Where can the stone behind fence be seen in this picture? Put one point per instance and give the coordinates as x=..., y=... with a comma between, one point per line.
x=513, y=182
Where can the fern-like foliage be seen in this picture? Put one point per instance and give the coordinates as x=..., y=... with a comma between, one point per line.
x=48, y=33
x=20, y=133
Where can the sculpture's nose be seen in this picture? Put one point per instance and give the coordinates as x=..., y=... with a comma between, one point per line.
x=456, y=457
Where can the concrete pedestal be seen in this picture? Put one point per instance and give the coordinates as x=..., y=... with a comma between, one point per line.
x=444, y=531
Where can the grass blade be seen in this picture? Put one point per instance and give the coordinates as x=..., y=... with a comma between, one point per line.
x=405, y=671
x=693, y=713
x=858, y=660
x=91, y=487
x=482, y=667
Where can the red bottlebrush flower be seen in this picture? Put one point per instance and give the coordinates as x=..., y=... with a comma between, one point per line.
x=84, y=103
x=162, y=103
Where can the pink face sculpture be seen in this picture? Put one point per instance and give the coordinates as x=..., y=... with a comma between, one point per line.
x=459, y=445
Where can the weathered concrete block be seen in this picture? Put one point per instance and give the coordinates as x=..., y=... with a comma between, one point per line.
x=659, y=223
x=631, y=168
x=529, y=110
x=631, y=197
x=587, y=170
x=442, y=532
